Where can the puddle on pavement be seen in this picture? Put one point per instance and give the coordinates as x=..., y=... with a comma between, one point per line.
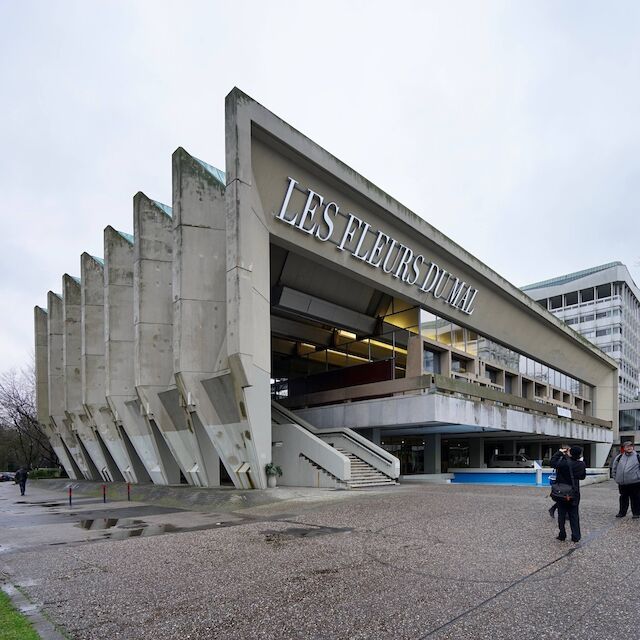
x=121, y=528
x=41, y=504
x=301, y=532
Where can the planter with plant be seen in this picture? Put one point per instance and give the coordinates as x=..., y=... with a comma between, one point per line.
x=273, y=471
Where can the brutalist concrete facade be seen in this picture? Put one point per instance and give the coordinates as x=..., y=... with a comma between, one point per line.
x=161, y=362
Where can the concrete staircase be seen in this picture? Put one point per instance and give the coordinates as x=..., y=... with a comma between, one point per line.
x=363, y=474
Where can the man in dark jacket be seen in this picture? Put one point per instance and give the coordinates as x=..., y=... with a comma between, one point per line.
x=569, y=470
x=625, y=470
x=21, y=479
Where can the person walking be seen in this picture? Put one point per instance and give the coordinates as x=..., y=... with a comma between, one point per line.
x=625, y=470
x=569, y=470
x=21, y=479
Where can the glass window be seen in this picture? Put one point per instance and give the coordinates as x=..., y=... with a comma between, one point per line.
x=586, y=295
x=430, y=361
x=458, y=365
x=428, y=325
x=555, y=302
x=472, y=342
x=571, y=298
x=603, y=291
x=588, y=318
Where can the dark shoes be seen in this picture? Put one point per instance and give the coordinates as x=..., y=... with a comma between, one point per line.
x=575, y=539
x=635, y=517
x=620, y=515
x=552, y=511
x=561, y=537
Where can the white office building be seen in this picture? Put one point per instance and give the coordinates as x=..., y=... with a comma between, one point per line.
x=602, y=304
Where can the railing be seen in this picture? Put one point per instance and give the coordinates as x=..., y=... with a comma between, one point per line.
x=433, y=383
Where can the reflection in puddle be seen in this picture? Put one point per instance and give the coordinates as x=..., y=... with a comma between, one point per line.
x=121, y=528
x=98, y=523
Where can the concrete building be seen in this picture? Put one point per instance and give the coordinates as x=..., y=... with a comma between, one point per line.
x=287, y=310
x=603, y=304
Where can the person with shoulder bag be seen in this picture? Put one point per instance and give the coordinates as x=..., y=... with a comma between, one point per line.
x=566, y=490
x=564, y=450
x=625, y=470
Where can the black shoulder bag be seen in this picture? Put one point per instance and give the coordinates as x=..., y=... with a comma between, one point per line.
x=561, y=492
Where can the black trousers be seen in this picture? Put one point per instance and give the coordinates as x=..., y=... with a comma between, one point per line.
x=569, y=510
x=630, y=493
x=23, y=485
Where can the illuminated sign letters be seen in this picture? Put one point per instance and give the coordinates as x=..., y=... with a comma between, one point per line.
x=376, y=248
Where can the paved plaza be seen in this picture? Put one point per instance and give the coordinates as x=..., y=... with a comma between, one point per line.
x=411, y=562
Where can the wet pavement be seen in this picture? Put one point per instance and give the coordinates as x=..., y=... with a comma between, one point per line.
x=411, y=562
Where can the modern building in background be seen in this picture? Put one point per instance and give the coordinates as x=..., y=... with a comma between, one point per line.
x=289, y=311
x=603, y=304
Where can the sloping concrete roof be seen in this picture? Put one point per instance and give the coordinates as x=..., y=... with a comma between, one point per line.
x=127, y=236
x=216, y=173
x=576, y=275
x=165, y=207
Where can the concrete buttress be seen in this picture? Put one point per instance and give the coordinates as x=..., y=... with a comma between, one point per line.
x=76, y=419
x=119, y=357
x=63, y=441
x=96, y=409
x=153, y=320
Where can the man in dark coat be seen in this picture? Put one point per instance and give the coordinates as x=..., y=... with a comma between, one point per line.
x=569, y=470
x=21, y=479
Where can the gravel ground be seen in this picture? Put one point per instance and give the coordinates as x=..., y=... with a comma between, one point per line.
x=417, y=561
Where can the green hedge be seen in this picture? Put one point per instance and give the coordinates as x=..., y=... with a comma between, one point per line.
x=44, y=473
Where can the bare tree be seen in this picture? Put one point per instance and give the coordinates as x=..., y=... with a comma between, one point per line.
x=18, y=418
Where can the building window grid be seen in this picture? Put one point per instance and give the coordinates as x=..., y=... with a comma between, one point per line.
x=606, y=314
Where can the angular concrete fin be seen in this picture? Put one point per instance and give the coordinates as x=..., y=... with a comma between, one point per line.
x=42, y=364
x=111, y=232
x=164, y=208
x=208, y=171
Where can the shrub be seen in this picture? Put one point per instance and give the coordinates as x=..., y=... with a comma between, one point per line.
x=44, y=473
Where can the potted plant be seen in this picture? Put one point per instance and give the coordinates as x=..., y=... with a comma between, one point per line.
x=273, y=471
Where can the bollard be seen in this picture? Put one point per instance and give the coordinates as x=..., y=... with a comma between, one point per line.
x=104, y=493
x=129, y=491
x=70, y=491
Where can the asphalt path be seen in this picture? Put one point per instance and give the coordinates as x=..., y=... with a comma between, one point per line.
x=411, y=562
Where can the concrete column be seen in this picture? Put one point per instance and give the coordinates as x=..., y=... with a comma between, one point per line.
x=432, y=453
x=199, y=332
x=248, y=293
x=97, y=413
x=76, y=418
x=153, y=318
x=599, y=453
x=66, y=451
x=41, y=334
x=42, y=365
x=119, y=354
x=476, y=453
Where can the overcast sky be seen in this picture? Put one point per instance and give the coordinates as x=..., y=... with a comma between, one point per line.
x=513, y=127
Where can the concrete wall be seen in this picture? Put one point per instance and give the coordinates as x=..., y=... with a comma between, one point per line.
x=64, y=442
x=199, y=331
x=98, y=415
x=76, y=419
x=42, y=365
x=119, y=356
x=153, y=324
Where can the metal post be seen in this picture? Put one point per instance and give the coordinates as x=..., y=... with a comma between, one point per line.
x=104, y=493
x=129, y=491
x=70, y=492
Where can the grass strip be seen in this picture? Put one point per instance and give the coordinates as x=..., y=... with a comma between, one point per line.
x=13, y=625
